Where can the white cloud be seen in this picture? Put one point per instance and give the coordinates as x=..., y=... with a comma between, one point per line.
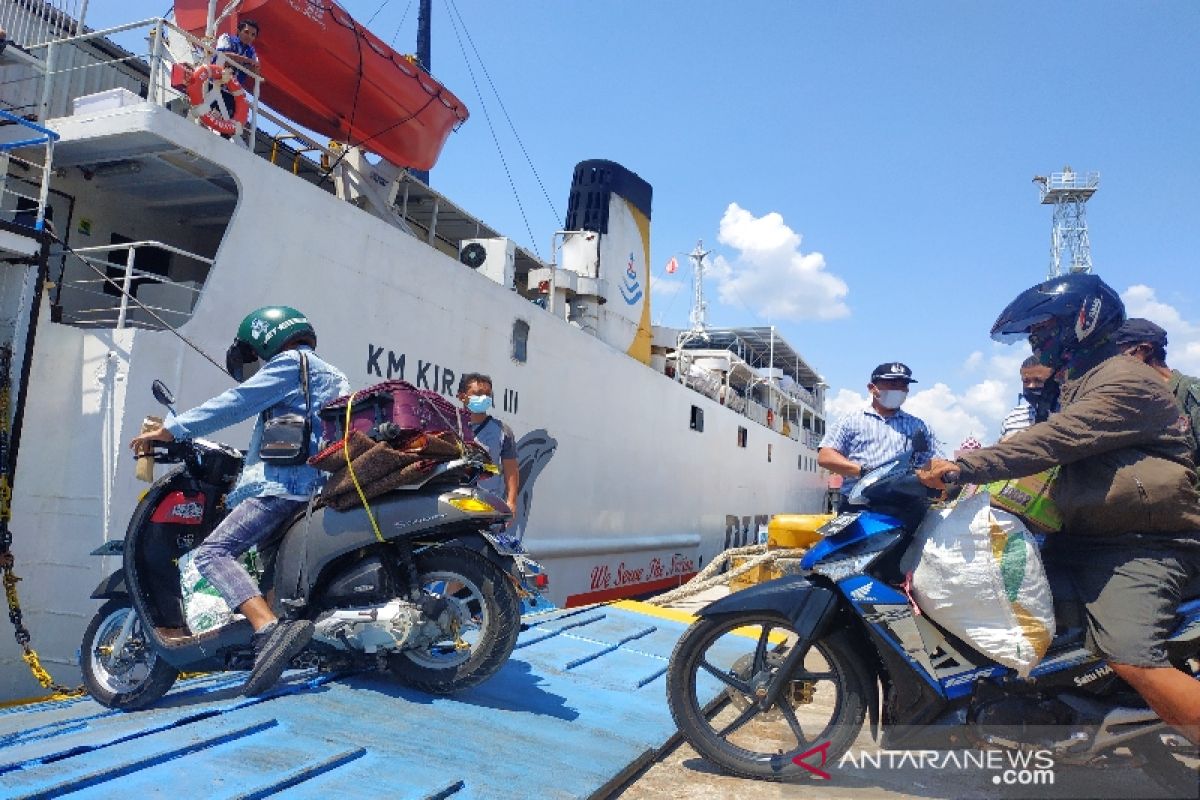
x=973, y=361
x=989, y=400
x=951, y=418
x=1141, y=301
x=770, y=274
x=843, y=403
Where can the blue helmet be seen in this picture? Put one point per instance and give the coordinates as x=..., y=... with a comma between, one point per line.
x=1070, y=313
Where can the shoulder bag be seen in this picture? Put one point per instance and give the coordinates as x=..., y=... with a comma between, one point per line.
x=285, y=438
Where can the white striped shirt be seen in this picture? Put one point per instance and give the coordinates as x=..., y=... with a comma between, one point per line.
x=1020, y=418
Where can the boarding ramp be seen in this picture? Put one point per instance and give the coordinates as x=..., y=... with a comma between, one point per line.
x=579, y=707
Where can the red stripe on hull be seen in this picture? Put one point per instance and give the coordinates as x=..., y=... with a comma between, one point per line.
x=622, y=592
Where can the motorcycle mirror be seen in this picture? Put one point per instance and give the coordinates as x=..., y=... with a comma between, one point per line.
x=163, y=395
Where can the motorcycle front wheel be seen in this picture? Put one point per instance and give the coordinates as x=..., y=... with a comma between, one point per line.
x=486, y=616
x=126, y=675
x=816, y=717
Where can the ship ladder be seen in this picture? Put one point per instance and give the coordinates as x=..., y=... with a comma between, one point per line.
x=7, y=562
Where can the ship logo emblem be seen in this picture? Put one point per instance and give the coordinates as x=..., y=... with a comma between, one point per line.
x=631, y=290
x=258, y=328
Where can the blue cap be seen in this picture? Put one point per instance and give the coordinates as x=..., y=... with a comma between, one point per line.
x=892, y=371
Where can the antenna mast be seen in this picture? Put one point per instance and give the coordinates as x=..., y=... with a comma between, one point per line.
x=1068, y=191
x=424, y=58
x=699, y=315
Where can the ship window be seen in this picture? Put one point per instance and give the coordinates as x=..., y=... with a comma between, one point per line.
x=697, y=423
x=799, y=462
x=742, y=434
x=768, y=453
x=520, y=341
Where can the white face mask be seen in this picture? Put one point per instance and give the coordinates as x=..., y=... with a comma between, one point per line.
x=892, y=398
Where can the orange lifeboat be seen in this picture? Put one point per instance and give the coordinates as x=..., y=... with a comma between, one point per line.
x=324, y=71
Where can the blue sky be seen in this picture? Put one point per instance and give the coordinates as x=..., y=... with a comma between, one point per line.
x=861, y=171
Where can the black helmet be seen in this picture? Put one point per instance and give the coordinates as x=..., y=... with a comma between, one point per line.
x=1085, y=309
x=263, y=334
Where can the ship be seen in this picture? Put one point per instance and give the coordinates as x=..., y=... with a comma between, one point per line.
x=133, y=240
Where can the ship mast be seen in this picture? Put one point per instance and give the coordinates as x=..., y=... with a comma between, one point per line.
x=424, y=58
x=699, y=315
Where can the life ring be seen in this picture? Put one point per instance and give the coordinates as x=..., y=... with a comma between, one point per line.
x=213, y=120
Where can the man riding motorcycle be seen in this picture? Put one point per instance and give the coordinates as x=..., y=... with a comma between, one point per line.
x=1131, y=514
x=292, y=380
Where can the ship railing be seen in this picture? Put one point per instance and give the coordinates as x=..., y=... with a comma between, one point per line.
x=34, y=22
x=159, y=59
x=67, y=65
x=41, y=187
x=170, y=301
x=740, y=396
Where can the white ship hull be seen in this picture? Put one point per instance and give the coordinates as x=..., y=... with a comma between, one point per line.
x=621, y=496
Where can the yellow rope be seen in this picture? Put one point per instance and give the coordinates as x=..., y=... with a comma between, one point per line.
x=350, y=467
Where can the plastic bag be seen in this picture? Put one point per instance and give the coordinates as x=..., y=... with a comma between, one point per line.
x=979, y=576
x=203, y=607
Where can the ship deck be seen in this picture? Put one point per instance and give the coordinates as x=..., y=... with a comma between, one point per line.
x=578, y=708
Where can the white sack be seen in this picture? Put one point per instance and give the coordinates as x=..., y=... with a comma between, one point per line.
x=980, y=577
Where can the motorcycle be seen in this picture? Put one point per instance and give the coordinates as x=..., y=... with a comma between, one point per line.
x=434, y=600
x=798, y=662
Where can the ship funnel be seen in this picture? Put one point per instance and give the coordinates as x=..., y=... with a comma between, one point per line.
x=608, y=247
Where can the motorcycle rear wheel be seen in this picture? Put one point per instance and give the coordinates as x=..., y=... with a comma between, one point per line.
x=485, y=603
x=133, y=678
x=816, y=718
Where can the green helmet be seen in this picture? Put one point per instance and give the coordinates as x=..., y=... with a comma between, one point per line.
x=263, y=334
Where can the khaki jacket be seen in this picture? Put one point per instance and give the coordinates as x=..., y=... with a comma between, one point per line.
x=1127, y=464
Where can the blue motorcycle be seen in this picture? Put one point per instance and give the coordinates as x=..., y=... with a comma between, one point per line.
x=800, y=661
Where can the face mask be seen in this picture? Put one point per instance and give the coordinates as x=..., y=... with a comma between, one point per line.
x=479, y=403
x=1032, y=395
x=892, y=398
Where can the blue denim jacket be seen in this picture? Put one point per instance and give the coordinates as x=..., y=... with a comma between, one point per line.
x=275, y=386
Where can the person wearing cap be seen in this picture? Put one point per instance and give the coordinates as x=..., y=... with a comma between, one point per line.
x=1147, y=342
x=864, y=439
x=1035, y=403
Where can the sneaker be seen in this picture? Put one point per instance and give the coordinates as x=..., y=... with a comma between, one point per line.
x=274, y=648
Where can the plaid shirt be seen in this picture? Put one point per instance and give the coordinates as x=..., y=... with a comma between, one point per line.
x=867, y=438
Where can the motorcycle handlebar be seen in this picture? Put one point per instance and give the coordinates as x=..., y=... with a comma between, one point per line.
x=170, y=452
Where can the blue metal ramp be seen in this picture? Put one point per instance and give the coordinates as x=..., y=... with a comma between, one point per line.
x=581, y=700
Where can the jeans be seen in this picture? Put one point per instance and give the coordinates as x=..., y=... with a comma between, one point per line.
x=251, y=522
